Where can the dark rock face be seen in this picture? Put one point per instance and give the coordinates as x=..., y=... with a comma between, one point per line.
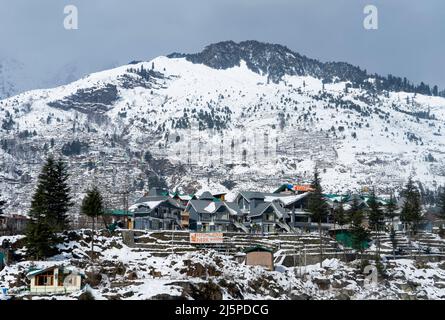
x=145, y=78
x=89, y=100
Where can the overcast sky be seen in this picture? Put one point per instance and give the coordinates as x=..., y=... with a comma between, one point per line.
x=409, y=41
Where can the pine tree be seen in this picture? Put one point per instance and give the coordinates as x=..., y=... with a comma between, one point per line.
x=40, y=237
x=376, y=216
x=442, y=204
x=391, y=208
x=317, y=207
x=40, y=240
x=392, y=236
x=411, y=213
x=354, y=208
x=56, y=200
x=92, y=206
x=340, y=214
x=49, y=207
x=2, y=203
x=359, y=234
x=61, y=199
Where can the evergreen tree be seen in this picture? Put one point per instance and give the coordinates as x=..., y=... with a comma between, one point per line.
x=376, y=216
x=376, y=213
x=40, y=237
x=92, y=206
x=2, y=203
x=317, y=207
x=359, y=234
x=391, y=208
x=442, y=204
x=354, y=209
x=340, y=214
x=61, y=198
x=392, y=236
x=411, y=213
x=49, y=207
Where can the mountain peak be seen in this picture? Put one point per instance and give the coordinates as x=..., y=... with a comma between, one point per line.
x=264, y=58
x=277, y=61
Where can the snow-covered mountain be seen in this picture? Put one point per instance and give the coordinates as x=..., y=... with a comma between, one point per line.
x=237, y=115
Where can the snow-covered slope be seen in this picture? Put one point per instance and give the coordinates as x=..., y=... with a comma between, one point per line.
x=225, y=117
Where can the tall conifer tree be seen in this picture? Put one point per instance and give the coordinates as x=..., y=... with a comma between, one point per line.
x=317, y=207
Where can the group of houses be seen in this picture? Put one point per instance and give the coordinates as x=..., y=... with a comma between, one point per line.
x=283, y=210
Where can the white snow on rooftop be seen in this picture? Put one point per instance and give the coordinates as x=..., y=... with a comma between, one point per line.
x=149, y=204
x=211, y=207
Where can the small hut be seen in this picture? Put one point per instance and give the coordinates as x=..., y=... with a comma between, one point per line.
x=55, y=279
x=259, y=256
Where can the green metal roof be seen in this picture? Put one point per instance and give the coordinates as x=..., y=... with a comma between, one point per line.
x=258, y=248
x=118, y=212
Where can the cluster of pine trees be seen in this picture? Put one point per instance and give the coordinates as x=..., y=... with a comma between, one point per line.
x=410, y=214
x=48, y=215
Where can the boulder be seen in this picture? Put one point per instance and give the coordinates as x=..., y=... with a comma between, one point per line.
x=338, y=284
x=132, y=275
x=322, y=283
x=93, y=278
x=342, y=296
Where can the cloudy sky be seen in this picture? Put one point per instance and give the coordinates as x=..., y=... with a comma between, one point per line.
x=409, y=41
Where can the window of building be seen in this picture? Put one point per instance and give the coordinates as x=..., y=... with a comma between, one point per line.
x=45, y=279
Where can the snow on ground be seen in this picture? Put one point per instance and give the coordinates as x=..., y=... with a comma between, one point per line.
x=121, y=272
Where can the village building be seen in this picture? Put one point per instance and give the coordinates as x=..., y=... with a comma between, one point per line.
x=54, y=279
x=211, y=214
x=262, y=216
x=183, y=198
x=157, y=211
x=219, y=195
x=295, y=205
x=118, y=217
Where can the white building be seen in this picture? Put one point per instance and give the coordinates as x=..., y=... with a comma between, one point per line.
x=55, y=279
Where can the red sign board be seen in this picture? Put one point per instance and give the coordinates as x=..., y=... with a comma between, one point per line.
x=201, y=238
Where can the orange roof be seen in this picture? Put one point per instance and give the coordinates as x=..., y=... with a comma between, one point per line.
x=304, y=188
